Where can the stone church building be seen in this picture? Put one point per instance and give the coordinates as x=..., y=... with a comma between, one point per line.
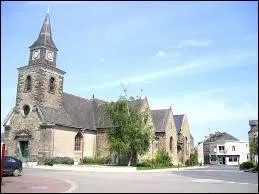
x=48, y=122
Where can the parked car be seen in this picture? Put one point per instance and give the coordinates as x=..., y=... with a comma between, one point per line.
x=12, y=166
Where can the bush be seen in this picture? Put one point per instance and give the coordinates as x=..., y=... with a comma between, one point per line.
x=194, y=159
x=88, y=160
x=49, y=161
x=246, y=165
x=145, y=163
x=63, y=160
x=162, y=158
x=187, y=162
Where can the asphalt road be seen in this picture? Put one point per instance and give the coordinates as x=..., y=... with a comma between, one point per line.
x=226, y=173
x=211, y=179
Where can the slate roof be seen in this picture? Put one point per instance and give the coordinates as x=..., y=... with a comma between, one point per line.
x=178, y=119
x=81, y=113
x=102, y=120
x=159, y=119
x=75, y=112
x=45, y=37
x=221, y=137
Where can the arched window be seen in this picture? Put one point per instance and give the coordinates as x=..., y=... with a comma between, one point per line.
x=28, y=83
x=171, y=143
x=78, y=140
x=51, y=84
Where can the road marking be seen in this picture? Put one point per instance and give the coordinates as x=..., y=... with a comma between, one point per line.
x=219, y=181
x=73, y=187
x=207, y=180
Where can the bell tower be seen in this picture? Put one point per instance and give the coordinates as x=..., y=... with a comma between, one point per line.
x=40, y=82
x=43, y=50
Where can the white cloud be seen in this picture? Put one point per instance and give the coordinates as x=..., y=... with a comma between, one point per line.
x=198, y=65
x=212, y=107
x=194, y=43
x=161, y=53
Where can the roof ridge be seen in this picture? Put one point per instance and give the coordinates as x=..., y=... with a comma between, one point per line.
x=77, y=96
x=160, y=109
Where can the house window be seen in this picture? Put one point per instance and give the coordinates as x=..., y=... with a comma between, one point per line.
x=171, y=143
x=232, y=159
x=221, y=149
x=51, y=84
x=28, y=83
x=78, y=140
x=233, y=148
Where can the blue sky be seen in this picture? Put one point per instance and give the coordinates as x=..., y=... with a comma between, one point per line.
x=200, y=58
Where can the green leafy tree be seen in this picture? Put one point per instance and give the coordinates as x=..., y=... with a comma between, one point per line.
x=194, y=159
x=131, y=133
x=254, y=145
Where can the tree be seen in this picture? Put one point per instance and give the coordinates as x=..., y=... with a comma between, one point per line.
x=254, y=146
x=130, y=134
x=194, y=159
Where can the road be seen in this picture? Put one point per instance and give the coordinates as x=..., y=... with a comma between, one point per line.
x=210, y=179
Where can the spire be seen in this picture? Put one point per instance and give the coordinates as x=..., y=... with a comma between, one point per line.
x=45, y=37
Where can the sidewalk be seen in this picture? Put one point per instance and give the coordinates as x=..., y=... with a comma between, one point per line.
x=100, y=168
x=33, y=184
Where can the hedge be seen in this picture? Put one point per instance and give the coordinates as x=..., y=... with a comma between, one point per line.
x=246, y=165
x=58, y=160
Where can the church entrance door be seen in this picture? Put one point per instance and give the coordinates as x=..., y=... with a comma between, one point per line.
x=23, y=153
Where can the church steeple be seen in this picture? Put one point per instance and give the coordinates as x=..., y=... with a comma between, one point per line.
x=45, y=36
x=44, y=50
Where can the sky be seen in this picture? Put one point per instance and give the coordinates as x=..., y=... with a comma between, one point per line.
x=200, y=58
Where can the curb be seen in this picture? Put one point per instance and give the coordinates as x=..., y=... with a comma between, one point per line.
x=108, y=169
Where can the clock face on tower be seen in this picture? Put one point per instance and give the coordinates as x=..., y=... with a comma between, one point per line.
x=36, y=54
x=49, y=55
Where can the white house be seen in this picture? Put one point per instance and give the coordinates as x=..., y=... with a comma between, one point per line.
x=226, y=149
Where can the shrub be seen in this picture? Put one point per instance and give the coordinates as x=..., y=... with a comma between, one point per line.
x=194, y=159
x=88, y=160
x=145, y=163
x=63, y=160
x=48, y=161
x=162, y=158
x=187, y=162
x=246, y=165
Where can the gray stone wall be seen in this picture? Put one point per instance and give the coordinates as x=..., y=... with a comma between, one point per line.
x=102, y=144
x=39, y=93
x=171, y=132
x=23, y=129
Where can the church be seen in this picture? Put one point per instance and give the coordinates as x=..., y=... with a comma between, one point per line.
x=48, y=122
